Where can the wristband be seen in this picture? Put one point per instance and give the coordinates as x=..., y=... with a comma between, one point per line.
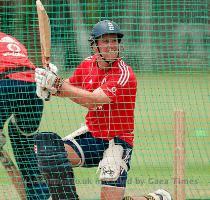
x=58, y=84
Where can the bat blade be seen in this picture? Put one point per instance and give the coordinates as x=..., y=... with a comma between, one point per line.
x=45, y=32
x=13, y=173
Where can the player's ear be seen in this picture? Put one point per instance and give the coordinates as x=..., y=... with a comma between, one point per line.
x=94, y=47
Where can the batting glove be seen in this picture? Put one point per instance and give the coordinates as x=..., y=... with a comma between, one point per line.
x=47, y=81
x=53, y=68
x=45, y=78
x=42, y=93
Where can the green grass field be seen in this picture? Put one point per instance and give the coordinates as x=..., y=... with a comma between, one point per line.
x=159, y=95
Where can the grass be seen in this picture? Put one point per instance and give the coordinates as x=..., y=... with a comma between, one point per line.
x=159, y=95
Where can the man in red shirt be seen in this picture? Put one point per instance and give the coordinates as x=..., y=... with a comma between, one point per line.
x=106, y=86
x=118, y=85
x=20, y=104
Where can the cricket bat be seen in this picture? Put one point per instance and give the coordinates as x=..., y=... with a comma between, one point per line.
x=45, y=33
x=13, y=173
x=45, y=36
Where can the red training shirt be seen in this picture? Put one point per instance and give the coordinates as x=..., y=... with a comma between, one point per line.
x=13, y=55
x=119, y=84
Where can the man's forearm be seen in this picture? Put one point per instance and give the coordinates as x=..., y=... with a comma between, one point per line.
x=81, y=96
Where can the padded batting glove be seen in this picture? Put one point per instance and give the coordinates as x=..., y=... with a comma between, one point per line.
x=53, y=68
x=47, y=81
x=45, y=78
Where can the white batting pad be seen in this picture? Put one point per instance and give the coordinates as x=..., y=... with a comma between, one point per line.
x=112, y=163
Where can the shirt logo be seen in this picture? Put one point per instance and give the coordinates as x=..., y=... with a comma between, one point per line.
x=90, y=81
x=113, y=90
x=13, y=47
x=8, y=40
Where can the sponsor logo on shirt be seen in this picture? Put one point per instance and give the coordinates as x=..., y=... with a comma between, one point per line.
x=8, y=40
x=13, y=47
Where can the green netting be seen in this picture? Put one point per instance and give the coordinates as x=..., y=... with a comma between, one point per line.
x=167, y=43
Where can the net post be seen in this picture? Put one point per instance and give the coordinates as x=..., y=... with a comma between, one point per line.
x=179, y=155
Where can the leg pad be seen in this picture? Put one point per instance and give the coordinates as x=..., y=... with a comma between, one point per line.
x=55, y=166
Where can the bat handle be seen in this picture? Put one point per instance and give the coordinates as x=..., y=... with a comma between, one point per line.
x=46, y=62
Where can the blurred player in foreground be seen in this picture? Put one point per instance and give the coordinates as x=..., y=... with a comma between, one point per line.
x=20, y=105
x=106, y=86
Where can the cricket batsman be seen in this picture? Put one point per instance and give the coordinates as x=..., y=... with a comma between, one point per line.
x=106, y=86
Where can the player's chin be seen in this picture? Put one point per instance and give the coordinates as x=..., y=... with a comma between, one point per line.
x=112, y=57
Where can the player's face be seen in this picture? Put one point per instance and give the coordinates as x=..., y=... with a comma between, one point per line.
x=109, y=46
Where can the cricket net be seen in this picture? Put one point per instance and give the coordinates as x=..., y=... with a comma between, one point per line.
x=167, y=43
